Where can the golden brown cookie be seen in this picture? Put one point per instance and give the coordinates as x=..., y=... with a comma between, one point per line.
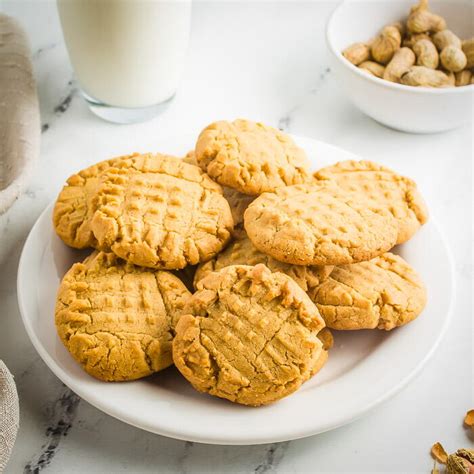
x=383, y=293
x=384, y=188
x=116, y=319
x=243, y=252
x=248, y=335
x=74, y=206
x=250, y=157
x=319, y=224
x=160, y=212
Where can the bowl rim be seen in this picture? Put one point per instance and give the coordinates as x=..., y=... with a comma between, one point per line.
x=377, y=80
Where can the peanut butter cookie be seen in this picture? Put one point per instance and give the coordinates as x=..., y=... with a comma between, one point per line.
x=319, y=224
x=250, y=157
x=116, y=319
x=384, y=188
x=74, y=206
x=383, y=293
x=248, y=335
x=158, y=211
x=243, y=252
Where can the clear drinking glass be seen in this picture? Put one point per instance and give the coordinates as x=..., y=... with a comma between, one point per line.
x=127, y=55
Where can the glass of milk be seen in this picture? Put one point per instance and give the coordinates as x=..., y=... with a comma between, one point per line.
x=128, y=55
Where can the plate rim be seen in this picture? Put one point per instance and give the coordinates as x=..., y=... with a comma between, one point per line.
x=218, y=440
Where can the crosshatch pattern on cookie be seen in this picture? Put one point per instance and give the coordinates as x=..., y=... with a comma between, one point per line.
x=248, y=335
x=319, y=224
x=250, y=157
x=384, y=188
x=75, y=205
x=117, y=319
x=160, y=212
x=383, y=293
x=242, y=252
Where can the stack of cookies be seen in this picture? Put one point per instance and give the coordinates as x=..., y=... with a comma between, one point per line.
x=276, y=256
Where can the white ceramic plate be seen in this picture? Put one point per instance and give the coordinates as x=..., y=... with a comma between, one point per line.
x=364, y=368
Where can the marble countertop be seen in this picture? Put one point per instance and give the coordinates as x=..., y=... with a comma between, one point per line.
x=264, y=61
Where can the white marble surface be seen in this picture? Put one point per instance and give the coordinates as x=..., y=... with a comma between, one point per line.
x=265, y=61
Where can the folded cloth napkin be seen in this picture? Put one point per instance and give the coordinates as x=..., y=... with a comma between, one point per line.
x=20, y=127
x=9, y=414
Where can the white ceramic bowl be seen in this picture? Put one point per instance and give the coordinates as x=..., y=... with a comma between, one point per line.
x=406, y=108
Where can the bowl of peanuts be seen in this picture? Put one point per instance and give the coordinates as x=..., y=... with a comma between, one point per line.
x=409, y=66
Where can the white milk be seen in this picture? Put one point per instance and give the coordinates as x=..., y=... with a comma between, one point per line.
x=127, y=53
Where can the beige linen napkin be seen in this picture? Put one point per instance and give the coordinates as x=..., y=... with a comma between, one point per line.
x=9, y=414
x=20, y=127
